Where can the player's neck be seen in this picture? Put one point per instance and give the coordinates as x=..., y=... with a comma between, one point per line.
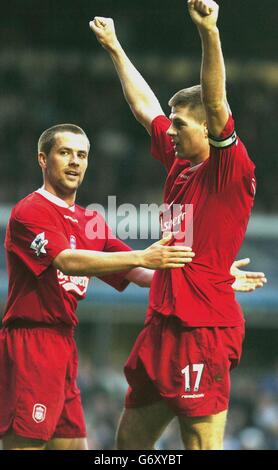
x=68, y=198
x=197, y=160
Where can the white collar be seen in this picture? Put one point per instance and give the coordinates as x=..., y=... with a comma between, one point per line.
x=56, y=200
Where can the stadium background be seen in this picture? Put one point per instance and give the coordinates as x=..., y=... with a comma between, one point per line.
x=52, y=70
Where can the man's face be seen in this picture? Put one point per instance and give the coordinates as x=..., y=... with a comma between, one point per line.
x=65, y=166
x=189, y=136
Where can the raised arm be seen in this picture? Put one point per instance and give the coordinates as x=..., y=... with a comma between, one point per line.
x=204, y=14
x=138, y=94
x=94, y=263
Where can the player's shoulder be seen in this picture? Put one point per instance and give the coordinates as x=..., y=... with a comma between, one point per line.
x=161, y=123
x=31, y=208
x=228, y=139
x=89, y=211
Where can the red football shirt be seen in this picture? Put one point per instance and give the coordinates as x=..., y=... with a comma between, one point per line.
x=40, y=227
x=221, y=190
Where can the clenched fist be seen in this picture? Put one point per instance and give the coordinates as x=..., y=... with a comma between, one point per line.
x=204, y=13
x=105, y=31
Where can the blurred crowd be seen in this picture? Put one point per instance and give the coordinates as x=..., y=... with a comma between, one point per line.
x=40, y=89
x=252, y=420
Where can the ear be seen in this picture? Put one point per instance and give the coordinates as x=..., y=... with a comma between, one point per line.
x=42, y=159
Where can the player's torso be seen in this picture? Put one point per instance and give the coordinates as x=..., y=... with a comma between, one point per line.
x=77, y=228
x=219, y=218
x=52, y=297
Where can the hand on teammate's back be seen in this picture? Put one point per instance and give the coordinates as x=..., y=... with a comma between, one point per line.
x=161, y=256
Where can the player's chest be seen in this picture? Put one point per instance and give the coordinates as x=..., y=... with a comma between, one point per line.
x=186, y=186
x=82, y=234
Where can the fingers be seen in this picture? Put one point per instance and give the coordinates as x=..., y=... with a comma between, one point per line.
x=164, y=240
x=241, y=262
x=98, y=22
x=95, y=26
x=256, y=282
x=173, y=257
x=247, y=285
x=173, y=265
x=201, y=6
x=181, y=254
x=179, y=248
x=177, y=263
x=247, y=289
x=169, y=238
x=92, y=26
x=179, y=258
x=175, y=251
x=256, y=276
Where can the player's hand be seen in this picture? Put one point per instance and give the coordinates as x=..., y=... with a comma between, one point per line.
x=204, y=13
x=246, y=281
x=161, y=256
x=104, y=30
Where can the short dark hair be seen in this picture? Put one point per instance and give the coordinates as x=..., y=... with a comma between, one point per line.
x=191, y=98
x=47, y=139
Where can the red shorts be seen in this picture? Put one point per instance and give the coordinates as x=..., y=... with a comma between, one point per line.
x=39, y=398
x=187, y=367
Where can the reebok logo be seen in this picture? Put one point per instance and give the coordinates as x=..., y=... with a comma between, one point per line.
x=194, y=395
x=71, y=219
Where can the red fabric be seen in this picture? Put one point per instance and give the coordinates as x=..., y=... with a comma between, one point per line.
x=39, y=398
x=37, y=291
x=221, y=191
x=165, y=348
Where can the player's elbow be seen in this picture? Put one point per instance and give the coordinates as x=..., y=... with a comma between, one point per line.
x=140, y=114
x=146, y=112
x=64, y=262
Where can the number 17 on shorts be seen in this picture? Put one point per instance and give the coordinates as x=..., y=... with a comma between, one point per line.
x=192, y=380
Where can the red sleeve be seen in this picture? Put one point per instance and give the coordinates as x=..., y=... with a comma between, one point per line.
x=35, y=239
x=161, y=146
x=113, y=244
x=229, y=160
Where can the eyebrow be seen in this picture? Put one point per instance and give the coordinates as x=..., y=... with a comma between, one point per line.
x=177, y=119
x=70, y=149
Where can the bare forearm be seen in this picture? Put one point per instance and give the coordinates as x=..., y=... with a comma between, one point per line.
x=204, y=14
x=137, y=92
x=213, y=75
x=140, y=276
x=93, y=263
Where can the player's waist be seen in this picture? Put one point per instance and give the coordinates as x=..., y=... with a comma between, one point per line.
x=192, y=276
x=61, y=328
